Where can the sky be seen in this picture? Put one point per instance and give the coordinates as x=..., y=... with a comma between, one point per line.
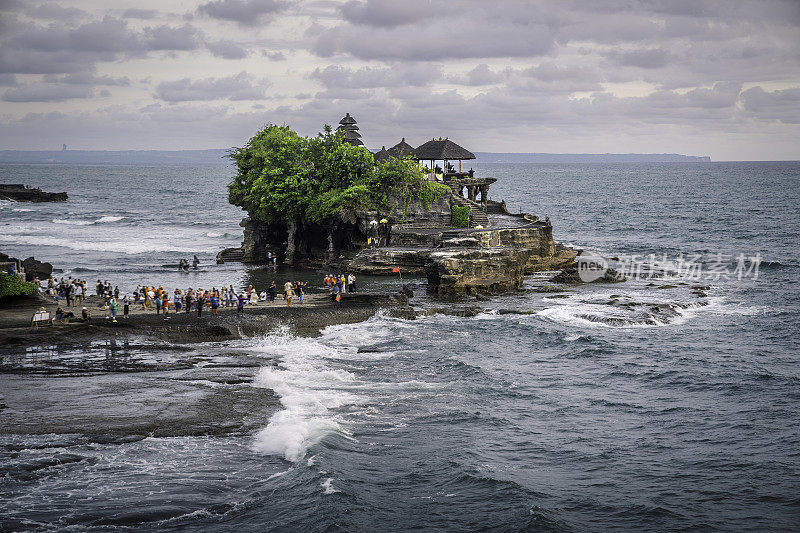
x=697, y=77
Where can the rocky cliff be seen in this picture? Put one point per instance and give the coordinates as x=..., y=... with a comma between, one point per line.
x=456, y=261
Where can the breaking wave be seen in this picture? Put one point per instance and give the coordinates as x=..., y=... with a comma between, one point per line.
x=73, y=222
x=123, y=246
x=309, y=390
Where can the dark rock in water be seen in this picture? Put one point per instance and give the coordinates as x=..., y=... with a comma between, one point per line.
x=230, y=254
x=548, y=289
x=33, y=268
x=407, y=291
x=571, y=275
x=20, y=193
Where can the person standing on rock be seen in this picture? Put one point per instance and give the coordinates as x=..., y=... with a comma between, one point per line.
x=178, y=300
x=286, y=288
x=68, y=294
x=126, y=307
x=214, y=302
x=158, y=303
x=112, y=303
x=351, y=283
x=240, y=304
x=289, y=294
x=195, y=263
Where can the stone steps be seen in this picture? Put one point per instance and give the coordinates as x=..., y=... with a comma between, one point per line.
x=477, y=213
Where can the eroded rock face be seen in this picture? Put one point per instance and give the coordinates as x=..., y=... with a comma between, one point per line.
x=346, y=234
x=382, y=261
x=476, y=271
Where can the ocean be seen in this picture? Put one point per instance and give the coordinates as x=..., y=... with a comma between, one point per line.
x=666, y=404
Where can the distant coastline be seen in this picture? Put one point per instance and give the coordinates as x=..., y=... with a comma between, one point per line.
x=217, y=157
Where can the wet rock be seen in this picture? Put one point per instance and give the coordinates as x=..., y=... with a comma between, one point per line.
x=470, y=272
x=21, y=193
x=571, y=276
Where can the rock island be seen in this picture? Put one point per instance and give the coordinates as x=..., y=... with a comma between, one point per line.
x=327, y=201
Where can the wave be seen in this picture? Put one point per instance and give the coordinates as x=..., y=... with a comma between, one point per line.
x=639, y=315
x=309, y=391
x=328, y=487
x=101, y=220
x=73, y=222
x=127, y=247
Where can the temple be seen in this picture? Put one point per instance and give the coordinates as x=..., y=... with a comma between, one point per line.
x=464, y=242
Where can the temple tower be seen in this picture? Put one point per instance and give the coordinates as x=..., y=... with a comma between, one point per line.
x=350, y=128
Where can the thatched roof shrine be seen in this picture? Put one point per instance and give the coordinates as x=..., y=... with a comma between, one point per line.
x=402, y=150
x=443, y=149
x=381, y=155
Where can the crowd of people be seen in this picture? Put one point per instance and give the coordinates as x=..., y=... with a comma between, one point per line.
x=190, y=300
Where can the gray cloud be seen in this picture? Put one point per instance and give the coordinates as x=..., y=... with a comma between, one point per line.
x=273, y=56
x=388, y=13
x=243, y=12
x=506, y=74
x=226, y=49
x=780, y=106
x=643, y=58
x=53, y=11
x=47, y=92
x=169, y=38
x=87, y=78
x=35, y=49
x=434, y=41
x=242, y=86
x=368, y=77
x=480, y=75
x=144, y=14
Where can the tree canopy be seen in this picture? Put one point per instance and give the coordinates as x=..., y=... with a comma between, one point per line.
x=282, y=176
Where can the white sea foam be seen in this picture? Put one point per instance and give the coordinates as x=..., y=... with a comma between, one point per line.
x=123, y=245
x=77, y=222
x=328, y=486
x=309, y=391
x=106, y=219
x=71, y=222
x=591, y=315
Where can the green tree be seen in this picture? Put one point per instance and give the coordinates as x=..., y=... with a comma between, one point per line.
x=283, y=177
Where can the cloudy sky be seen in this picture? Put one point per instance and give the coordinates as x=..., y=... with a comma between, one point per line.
x=700, y=77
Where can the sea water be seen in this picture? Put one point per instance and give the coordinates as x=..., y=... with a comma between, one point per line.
x=533, y=411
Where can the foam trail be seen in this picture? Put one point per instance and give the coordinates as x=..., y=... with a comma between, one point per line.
x=309, y=390
x=327, y=485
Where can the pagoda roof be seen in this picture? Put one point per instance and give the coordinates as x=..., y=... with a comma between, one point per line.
x=347, y=120
x=443, y=149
